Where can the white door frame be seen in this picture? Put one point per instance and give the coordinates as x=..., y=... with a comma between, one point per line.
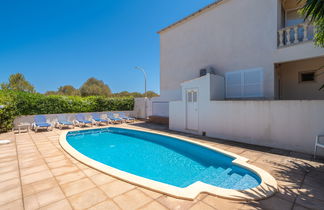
x=197, y=104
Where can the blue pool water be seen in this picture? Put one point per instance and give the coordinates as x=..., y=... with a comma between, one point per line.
x=161, y=158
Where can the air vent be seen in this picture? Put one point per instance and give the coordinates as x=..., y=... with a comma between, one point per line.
x=205, y=71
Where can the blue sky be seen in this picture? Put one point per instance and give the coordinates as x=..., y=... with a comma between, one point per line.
x=64, y=42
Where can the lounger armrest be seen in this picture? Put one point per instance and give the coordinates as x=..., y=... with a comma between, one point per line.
x=318, y=137
x=33, y=125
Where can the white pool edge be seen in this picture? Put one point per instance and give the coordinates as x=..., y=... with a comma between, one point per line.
x=266, y=189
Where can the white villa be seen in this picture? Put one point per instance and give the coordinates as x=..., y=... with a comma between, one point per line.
x=246, y=71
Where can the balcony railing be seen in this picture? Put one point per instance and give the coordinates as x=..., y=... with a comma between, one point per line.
x=295, y=34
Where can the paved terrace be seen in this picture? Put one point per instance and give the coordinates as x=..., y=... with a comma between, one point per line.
x=36, y=173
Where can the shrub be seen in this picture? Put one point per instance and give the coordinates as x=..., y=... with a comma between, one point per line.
x=23, y=103
x=7, y=113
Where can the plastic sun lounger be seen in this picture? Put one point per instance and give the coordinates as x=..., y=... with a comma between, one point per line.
x=98, y=120
x=318, y=144
x=63, y=122
x=123, y=116
x=40, y=123
x=81, y=121
x=113, y=118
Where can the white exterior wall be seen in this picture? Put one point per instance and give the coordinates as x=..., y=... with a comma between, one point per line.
x=233, y=35
x=297, y=52
x=229, y=37
x=53, y=118
x=160, y=108
x=210, y=87
x=139, y=107
x=290, y=125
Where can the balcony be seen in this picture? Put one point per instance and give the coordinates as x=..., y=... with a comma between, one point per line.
x=296, y=34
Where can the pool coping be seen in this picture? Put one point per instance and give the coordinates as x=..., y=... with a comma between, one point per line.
x=267, y=188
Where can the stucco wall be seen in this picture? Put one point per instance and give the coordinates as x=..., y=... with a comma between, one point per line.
x=232, y=36
x=53, y=118
x=291, y=88
x=139, y=108
x=290, y=125
x=297, y=52
x=210, y=87
x=138, y=112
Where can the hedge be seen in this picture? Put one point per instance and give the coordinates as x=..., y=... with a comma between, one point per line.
x=22, y=103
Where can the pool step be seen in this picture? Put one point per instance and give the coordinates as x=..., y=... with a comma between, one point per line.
x=225, y=178
x=245, y=182
x=217, y=177
x=206, y=174
x=213, y=176
x=231, y=181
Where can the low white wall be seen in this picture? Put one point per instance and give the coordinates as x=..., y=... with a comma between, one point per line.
x=138, y=112
x=53, y=118
x=290, y=125
x=160, y=108
x=139, y=107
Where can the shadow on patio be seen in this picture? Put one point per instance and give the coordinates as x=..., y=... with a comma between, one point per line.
x=300, y=180
x=300, y=184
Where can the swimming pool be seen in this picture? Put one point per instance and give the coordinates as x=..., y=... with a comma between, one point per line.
x=161, y=160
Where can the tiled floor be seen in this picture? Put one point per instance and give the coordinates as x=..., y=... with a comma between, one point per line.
x=35, y=173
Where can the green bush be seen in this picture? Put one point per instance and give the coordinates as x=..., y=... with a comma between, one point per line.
x=8, y=113
x=23, y=103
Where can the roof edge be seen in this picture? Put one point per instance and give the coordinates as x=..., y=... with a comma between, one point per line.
x=189, y=17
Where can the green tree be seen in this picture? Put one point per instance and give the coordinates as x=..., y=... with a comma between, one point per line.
x=136, y=94
x=18, y=82
x=68, y=90
x=122, y=94
x=128, y=94
x=151, y=94
x=48, y=93
x=94, y=87
x=314, y=11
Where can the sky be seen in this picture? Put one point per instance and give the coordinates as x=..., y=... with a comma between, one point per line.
x=65, y=42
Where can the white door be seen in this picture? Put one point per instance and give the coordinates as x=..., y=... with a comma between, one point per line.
x=192, y=109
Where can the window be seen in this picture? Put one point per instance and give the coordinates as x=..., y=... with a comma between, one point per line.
x=307, y=76
x=189, y=97
x=244, y=83
x=194, y=96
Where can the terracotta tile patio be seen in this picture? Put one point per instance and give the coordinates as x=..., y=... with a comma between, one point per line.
x=35, y=173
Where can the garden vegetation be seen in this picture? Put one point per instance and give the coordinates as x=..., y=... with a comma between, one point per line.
x=18, y=97
x=17, y=103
